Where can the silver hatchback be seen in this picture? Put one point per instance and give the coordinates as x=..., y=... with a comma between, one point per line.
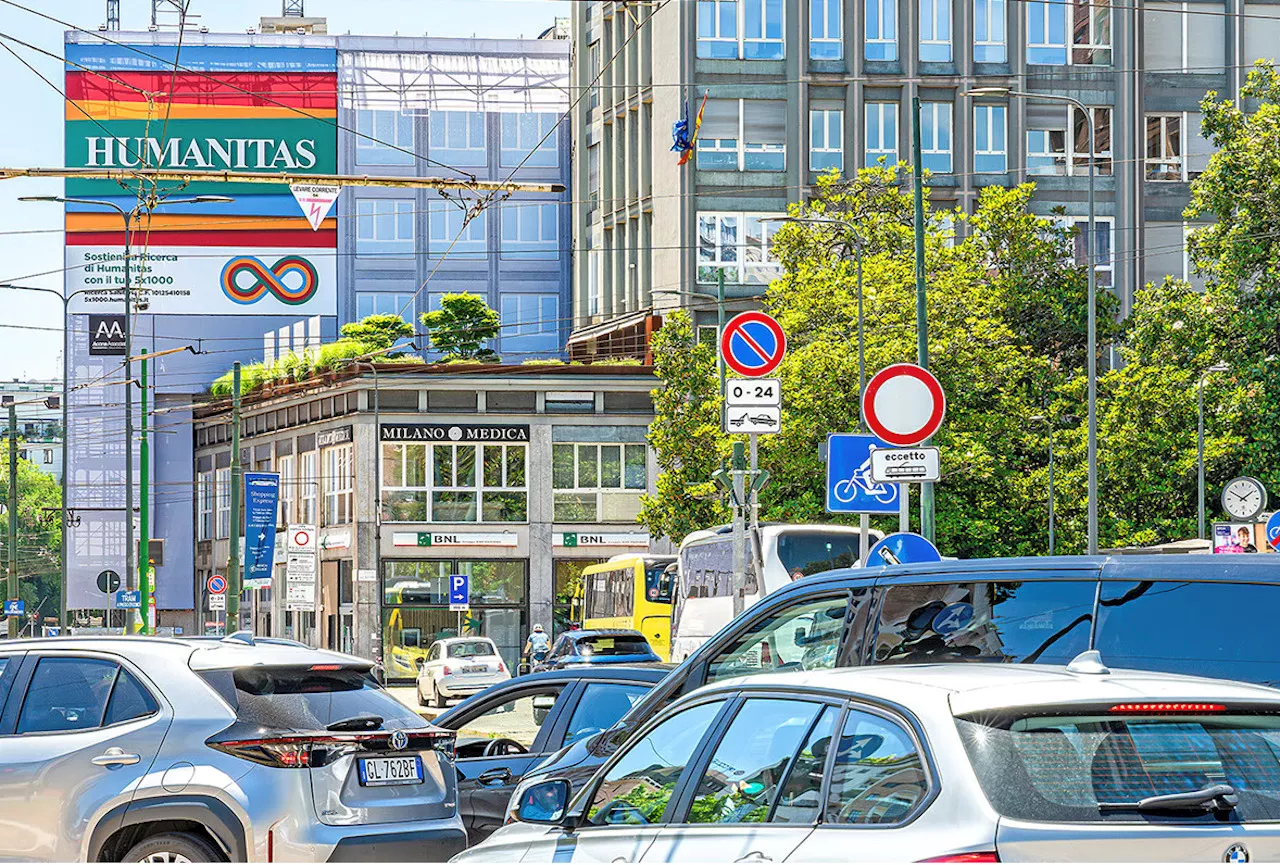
x=936, y=763
x=130, y=749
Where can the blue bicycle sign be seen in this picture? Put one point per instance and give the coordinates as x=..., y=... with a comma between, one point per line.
x=850, y=489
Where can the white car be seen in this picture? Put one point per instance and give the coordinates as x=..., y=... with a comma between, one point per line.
x=937, y=763
x=459, y=667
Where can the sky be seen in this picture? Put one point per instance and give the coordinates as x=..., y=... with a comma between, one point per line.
x=31, y=251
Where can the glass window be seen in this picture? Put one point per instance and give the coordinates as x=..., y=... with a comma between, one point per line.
x=457, y=137
x=881, y=41
x=454, y=483
x=415, y=582
x=804, y=637
x=1102, y=255
x=288, y=488
x=801, y=798
x=635, y=791
x=129, y=700
x=1091, y=32
x=1046, y=151
x=530, y=231
x=456, y=231
x=803, y=554
x=1062, y=767
x=881, y=133
x=494, y=582
x=600, y=707
x=384, y=137
x=1080, y=149
x=339, y=485
x=989, y=151
x=530, y=323
x=529, y=140
x=743, y=135
x=826, y=140
x=935, y=31
x=519, y=719
x=935, y=136
x=762, y=30
x=223, y=479
x=989, y=31
x=205, y=498
x=825, y=30
x=878, y=776
x=746, y=769
x=1024, y=622
x=570, y=592
x=67, y=694
x=1147, y=625
x=286, y=698
x=727, y=240
x=384, y=227
x=718, y=29
x=383, y=303
x=1047, y=32
x=1164, y=147
x=308, y=488
x=597, y=482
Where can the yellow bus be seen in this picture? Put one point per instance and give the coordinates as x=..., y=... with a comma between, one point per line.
x=632, y=592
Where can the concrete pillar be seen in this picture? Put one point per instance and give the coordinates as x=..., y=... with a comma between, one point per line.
x=367, y=639
x=541, y=572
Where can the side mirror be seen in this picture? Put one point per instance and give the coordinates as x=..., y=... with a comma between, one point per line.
x=542, y=705
x=544, y=803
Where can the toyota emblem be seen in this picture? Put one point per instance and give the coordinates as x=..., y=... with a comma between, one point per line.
x=399, y=740
x=1236, y=853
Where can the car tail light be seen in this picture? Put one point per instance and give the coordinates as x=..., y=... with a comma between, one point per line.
x=983, y=856
x=306, y=751
x=446, y=670
x=1166, y=708
x=502, y=668
x=325, y=668
x=271, y=845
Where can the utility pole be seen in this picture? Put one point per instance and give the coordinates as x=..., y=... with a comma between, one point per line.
x=922, y=320
x=233, y=560
x=144, y=503
x=130, y=578
x=13, y=514
x=738, y=475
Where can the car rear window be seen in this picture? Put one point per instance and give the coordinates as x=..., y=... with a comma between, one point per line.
x=613, y=646
x=307, y=699
x=471, y=649
x=807, y=554
x=1093, y=767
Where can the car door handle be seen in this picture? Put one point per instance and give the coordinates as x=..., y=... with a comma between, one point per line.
x=495, y=776
x=754, y=856
x=115, y=757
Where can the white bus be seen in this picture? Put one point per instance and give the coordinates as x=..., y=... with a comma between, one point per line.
x=704, y=598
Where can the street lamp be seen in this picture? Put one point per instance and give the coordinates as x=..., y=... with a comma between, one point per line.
x=1048, y=422
x=851, y=239
x=144, y=205
x=1217, y=367
x=1002, y=92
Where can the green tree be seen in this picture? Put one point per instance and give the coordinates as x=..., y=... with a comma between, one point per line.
x=39, y=538
x=379, y=332
x=461, y=326
x=685, y=434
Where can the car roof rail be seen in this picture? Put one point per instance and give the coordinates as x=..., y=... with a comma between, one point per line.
x=1088, y=662
x=243, y=638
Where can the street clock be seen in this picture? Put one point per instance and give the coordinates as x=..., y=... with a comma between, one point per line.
x=1244, y=498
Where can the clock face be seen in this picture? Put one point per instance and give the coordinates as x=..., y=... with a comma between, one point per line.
x=1244, y=498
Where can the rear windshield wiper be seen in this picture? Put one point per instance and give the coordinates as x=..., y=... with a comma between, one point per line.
x=1215, y=797
x=355, y=724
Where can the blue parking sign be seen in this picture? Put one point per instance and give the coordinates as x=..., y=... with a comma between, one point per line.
x=459, y=591
x=850, y=489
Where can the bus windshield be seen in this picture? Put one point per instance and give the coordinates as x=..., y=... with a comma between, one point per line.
x=808, y=553
x=658, y=584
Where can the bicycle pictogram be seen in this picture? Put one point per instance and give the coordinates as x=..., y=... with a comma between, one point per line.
x=850, y=489
x=269, y=279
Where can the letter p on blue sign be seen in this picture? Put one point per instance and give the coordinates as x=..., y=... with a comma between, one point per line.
x=459, y=590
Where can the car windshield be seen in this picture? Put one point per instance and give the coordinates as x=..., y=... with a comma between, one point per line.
x=307, y=699
x=1097, y=767
x=602, y=646
x=471, y=649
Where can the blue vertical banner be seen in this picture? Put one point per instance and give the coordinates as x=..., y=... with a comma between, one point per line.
x=261, y=506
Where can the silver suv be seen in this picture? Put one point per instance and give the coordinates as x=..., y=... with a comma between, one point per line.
x=136, y=749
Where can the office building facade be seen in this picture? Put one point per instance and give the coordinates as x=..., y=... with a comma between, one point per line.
x=798, y=87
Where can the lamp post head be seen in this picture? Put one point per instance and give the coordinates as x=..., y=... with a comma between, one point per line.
x=1219, y=367
x=55, y=199
x=993, y=92
x=212, y=199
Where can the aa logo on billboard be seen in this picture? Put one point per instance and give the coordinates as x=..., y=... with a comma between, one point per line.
x=292, y=279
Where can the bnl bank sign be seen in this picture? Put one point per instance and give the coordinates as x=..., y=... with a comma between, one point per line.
x=850, y=489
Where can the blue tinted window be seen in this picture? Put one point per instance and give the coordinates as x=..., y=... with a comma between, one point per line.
x=67, y=694
x=1221, y=630
x=602, y=704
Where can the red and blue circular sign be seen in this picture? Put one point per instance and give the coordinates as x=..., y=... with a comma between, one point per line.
x=217, y=585
x=753, y=344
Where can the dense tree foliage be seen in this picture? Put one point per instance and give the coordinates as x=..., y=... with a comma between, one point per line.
x=39, y=540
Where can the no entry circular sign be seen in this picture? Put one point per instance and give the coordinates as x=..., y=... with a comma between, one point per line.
x=753, y=344
x=903, y=404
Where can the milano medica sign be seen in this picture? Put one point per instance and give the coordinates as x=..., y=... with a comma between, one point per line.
x=237, y=108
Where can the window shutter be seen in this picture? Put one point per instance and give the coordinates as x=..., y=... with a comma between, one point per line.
x=764, y=121
x=720, y=119
x=1040, y=116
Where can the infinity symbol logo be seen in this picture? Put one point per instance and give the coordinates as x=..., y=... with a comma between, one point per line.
x=270, y=279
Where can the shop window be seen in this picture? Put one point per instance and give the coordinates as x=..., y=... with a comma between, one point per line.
x=454, y=483
x=569, y=593
x=597, y=483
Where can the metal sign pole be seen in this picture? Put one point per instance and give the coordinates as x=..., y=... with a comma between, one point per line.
x=864, y=535
x=739, y=529
x=904, y=507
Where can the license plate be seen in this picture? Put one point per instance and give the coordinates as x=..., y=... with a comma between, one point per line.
x=480, y=669
x=388, y=771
